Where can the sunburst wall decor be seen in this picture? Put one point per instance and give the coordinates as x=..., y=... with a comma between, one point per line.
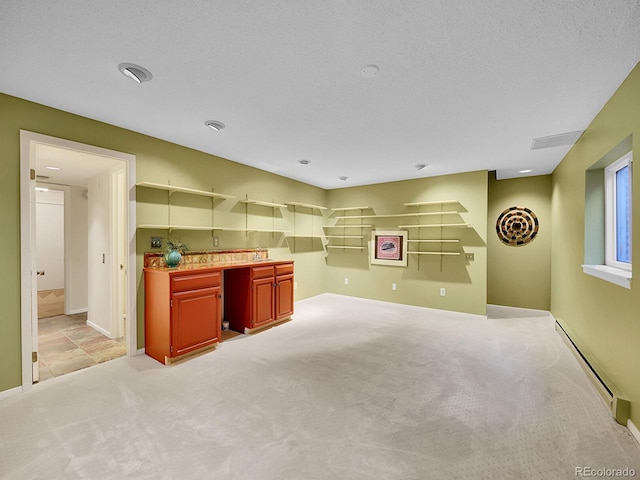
x=517, y=226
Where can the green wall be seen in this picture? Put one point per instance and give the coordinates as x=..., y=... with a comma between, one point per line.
x=520, y=276
x=10, y=366
x=603, y=318
x=156, y=161
x=420, y=283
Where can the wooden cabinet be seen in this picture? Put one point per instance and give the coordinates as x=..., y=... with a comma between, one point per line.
x=256, y=297
x=261, y=297
x=182, y=312
x=183, y=308
x=283, y=307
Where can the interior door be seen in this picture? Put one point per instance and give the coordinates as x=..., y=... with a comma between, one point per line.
x=120, y=228
x=35, y=376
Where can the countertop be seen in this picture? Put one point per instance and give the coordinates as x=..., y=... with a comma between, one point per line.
x=222, y=265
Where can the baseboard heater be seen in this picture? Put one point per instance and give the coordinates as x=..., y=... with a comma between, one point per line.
x=619, y=405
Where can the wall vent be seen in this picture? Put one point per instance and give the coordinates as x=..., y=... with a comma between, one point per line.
x=556, y=140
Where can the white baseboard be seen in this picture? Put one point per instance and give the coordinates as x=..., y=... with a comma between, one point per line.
x=140, y=351
x=448, y=313
x=77, y=310
x=634, y=430
x=10, y=393
x=106, y=333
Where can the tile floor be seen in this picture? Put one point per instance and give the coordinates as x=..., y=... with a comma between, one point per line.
x=50, y=302
x=67, y=344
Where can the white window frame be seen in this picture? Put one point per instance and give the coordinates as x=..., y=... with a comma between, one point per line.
x=610, y=212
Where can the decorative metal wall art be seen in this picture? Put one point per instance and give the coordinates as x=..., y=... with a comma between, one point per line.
x=517, y=226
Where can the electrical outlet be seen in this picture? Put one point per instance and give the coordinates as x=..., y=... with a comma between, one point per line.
x=216, y=241
x=469, y=257
x=394, y=286
x=156, y=242
x=443, y=292
x=346, y=281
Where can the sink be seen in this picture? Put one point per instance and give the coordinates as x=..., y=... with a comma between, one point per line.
x=262, y=259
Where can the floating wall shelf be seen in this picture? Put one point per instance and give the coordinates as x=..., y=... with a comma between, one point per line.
x=344, y=236
x=262, y=203
x=154, y=226
x=434, y=241
x=259, y=230
x=393, y=215
x=420, y=204
x=305, y=205
x=343, y=209
x=349, y=241
x=420, y=241
x=209, y=229
x=348, y=225
x=435, y=253
x=173, y=189
x=457, y=225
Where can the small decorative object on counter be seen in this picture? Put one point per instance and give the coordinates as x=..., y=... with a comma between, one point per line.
x=173, y=250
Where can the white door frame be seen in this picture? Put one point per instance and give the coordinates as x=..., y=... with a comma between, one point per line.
x=28, y=301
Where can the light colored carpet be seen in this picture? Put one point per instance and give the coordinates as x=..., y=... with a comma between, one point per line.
x=350, y=389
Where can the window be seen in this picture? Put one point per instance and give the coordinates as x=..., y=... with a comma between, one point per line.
x=618, y=213
x=607, y=216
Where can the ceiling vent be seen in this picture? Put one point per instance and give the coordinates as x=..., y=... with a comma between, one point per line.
x=556, y=140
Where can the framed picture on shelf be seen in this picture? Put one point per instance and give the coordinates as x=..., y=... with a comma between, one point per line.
x=389, y=247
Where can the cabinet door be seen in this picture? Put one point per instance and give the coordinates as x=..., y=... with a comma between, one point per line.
x=195, y=319
x=284, y=296
x=262, y=301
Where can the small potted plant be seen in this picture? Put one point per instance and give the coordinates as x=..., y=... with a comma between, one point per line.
x=173, y=250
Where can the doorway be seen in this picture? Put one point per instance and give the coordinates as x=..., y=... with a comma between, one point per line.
x=67, y=341
x=97, y=294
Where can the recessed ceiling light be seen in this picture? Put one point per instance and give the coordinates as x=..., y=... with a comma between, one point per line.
x=526, y=171
x=214, y=125
x=135, y=72
x=304, y=162
x=420, y=166
x=51, y=167
x=41, y=189
x=342, y=177
x=369, y=71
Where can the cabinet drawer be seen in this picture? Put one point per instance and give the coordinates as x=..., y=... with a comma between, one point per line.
x=262, y=272
x=284, y=269
x=182, y=283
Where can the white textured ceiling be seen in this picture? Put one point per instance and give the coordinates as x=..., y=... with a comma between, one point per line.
x=462, y=86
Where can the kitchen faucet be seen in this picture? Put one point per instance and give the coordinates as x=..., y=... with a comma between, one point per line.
x=258, y=254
